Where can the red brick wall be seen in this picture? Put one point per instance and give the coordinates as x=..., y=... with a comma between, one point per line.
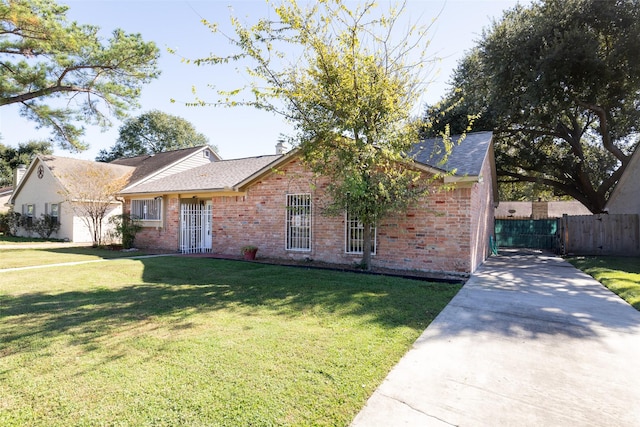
x=166, y=235
x=444, y=231
x=482, y=214
x=434, y=235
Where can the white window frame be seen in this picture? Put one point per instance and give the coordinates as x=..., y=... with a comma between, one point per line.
x=354, y=236
x=298, y=220
x=147, y=209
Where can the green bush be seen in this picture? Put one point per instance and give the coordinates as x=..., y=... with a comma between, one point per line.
x=45, y=226
x=10, y=222
x=125, y=228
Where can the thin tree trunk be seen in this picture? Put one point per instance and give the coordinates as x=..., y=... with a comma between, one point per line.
x=366, y=247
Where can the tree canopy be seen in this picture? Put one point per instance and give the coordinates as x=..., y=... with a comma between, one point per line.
x=61, y=73
x=11, y=157
x=559, y=83
x=153, y=132
x=348, y=81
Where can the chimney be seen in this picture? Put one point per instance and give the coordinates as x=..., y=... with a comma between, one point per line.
x=18, y=174
x=280, y=148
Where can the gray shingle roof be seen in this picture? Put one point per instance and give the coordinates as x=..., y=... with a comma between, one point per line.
x=466, y=156
x=213, y=176
x=150, y=163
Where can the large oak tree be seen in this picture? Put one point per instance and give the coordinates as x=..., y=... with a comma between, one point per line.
x=62, y=73
x=559, y=83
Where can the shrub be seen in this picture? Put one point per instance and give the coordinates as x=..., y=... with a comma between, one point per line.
x=10, y=222
x=125, y=228
x=45, y=226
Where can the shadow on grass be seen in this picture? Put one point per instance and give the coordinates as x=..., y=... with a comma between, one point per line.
x=175, y=287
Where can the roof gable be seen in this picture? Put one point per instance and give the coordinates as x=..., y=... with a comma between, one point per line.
x=627, y=187
x=149, y=166
x=63, y=168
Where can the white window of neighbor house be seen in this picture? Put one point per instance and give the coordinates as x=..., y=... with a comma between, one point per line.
x=354, y=236
x=298, y=219
x=54, y=212
x=147, y=209
x=29, y=211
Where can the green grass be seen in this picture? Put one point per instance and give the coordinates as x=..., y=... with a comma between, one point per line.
x=620, y=274
x=187, y=341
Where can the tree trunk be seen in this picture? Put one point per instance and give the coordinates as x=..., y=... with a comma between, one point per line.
x=366, y=247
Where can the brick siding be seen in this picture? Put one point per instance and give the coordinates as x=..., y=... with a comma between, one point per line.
x=445, y=231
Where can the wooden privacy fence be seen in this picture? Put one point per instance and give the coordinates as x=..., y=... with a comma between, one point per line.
x=603, y=234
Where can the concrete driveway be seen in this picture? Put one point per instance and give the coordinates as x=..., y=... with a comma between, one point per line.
x=528, y=341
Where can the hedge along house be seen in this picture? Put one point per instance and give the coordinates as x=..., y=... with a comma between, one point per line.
x=276, y=204
x=42, y=186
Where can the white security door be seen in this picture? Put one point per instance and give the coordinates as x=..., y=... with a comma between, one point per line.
x=195, y=227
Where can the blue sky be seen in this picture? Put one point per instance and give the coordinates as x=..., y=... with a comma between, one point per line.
x=237, y=132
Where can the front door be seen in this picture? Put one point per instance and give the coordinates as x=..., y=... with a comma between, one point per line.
x=195, y=227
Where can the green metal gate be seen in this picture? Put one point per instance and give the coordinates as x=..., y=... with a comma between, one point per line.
x=527, y=233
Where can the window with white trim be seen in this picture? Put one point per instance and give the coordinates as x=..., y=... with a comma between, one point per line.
x=354, y=236
x=147, y=209
x=298, y=222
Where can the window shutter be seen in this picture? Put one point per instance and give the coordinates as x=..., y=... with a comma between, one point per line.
x=46, y=208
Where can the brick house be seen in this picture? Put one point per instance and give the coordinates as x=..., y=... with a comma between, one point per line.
x=275, y=203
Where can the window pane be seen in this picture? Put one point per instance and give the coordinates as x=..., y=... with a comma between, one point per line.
x=354, y=240
x=298, y=222
x=147, y=209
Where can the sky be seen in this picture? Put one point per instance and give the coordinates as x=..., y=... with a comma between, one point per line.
x=455, y=27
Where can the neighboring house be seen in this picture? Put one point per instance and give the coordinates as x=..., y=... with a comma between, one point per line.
x=275, y=203
x=540, y=210
x=625, y=198
x=41, y=189
x=5, y=195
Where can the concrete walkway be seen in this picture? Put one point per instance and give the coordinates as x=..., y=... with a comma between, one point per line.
x=528, y=341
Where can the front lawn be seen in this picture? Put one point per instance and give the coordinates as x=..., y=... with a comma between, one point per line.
x=620, y=274
x=187, y=341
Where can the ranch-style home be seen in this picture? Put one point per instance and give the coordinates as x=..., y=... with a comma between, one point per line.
x=40, y=189
x=275, y=203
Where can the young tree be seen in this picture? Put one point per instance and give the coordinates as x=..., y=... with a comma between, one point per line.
x=11, y=157
x=153, y=132
x=348, y=80
x=43, y=58
x=559, y=82
x=90, y=190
